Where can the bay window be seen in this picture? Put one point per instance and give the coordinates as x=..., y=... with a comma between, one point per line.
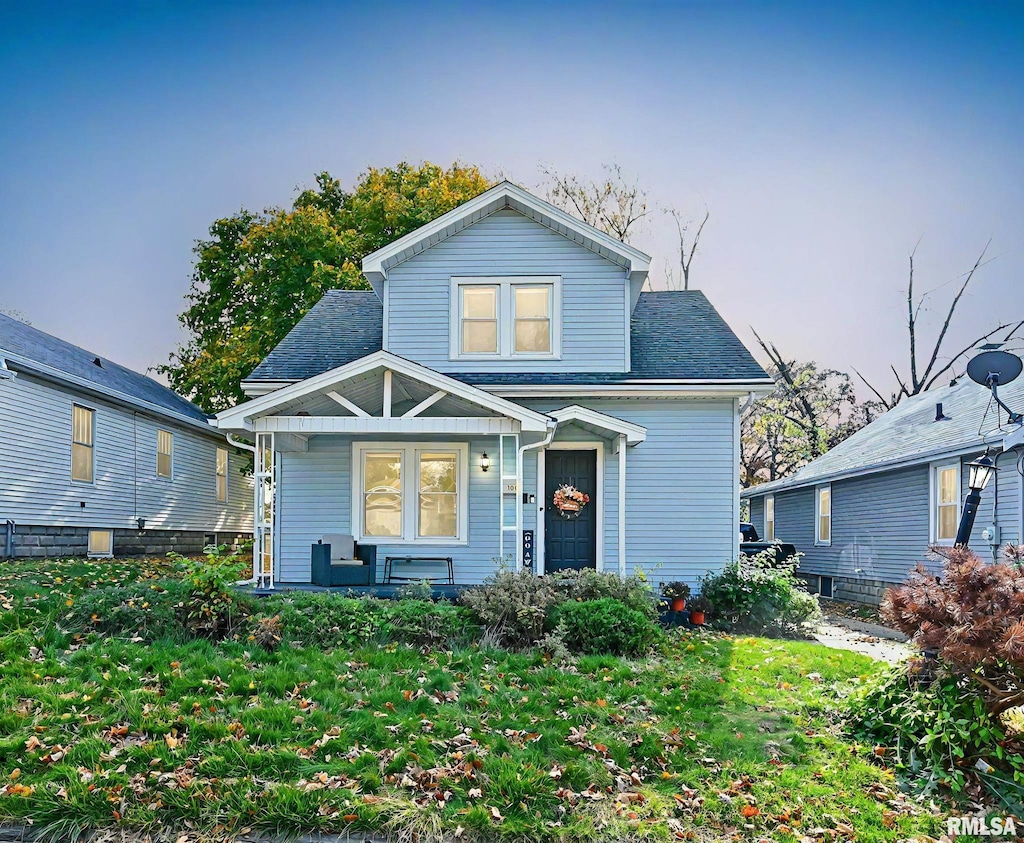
x=410, y=493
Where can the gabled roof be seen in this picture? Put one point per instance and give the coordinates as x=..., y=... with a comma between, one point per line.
x=909, y=434
x=634, y=433
x=502, y=196
x=240, y=417
x=675, y=336
x=32, y=350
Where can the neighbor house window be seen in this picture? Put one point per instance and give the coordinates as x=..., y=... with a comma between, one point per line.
x=222, y=475
x=83, y=430
x=946, y=502
x=101, y=543
x=164, y=451
x=515, y=316
x=824, y=515
x=411, y=493
x=769, y=518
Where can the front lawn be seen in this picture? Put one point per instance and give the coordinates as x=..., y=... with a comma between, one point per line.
x=715, y=738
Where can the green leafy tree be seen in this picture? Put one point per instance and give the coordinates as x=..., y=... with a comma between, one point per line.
x=811, y=410
x=259, y=273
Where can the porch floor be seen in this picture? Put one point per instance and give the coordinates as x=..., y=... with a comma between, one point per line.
x=385, y=592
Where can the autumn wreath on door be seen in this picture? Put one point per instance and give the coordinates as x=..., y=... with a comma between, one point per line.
x=569, y=501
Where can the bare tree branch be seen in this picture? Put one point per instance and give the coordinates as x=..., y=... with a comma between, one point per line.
x=962, y=352
x=686, y=254
x=888, y=403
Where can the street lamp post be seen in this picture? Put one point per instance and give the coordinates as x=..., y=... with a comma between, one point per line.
x=980, y=472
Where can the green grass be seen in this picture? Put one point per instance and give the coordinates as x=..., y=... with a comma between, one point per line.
x=713, y=738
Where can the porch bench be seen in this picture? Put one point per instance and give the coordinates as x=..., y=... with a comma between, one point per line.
x=389, y=563
x=338, y=560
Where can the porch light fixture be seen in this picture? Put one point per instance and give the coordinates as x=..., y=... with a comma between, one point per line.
x=980, y=473
x=485, y=461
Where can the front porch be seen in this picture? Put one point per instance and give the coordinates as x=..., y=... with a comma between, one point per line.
x=418, y=464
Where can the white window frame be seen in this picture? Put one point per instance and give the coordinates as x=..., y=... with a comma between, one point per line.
x=100, y=554
x=410, y=453
x=170, y=455
x=933, y=501
x=818, y=540
x=91, y=447
x=769, y=503
x=505, y=314
x=218, y=475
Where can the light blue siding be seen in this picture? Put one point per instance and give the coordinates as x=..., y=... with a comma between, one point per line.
x=315, y=497
x=1005, y=487
x=594, y=296
x=35, y=467
x=757, y=515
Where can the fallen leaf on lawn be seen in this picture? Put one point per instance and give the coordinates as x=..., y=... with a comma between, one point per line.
x=749, y=811
x=496, y=814
x=171, y=741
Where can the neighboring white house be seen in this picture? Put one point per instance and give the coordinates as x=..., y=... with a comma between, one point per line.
x=506, y=351
x=865, y=513
x=98, y=459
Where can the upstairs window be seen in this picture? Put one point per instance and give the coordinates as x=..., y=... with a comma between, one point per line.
x=769, y=518
x=222, y=475
x=516, y=316
x=824, y=516
x=83, y=429
x=164, y=453
x=945, y=502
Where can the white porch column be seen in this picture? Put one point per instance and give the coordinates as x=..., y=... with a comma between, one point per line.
x=622, y=505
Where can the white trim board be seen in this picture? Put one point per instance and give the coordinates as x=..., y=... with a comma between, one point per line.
x=539, y=537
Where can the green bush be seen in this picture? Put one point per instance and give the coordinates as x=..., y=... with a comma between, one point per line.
x=938, y=731
x=213, y=608
x=605, y=626
x=147, y=610
x=332, y=621
x=759, y=595
x=513, y=607
x=589, y=584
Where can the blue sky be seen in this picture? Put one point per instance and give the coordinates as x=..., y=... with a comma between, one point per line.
x=825, y=139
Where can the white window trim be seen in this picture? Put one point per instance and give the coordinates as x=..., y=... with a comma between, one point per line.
x=933, y=500
x=71, y=468
x=505, y=315
x=768, y=537
x=159, y=476
x=410, y=491
x=104, y=554
x=217, y=475
x=818, y=541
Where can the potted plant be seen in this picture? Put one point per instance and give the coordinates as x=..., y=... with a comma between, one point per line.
x=698, y=609
x=676, y=593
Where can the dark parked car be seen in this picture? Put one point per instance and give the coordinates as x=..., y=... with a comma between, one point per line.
x=751, y=544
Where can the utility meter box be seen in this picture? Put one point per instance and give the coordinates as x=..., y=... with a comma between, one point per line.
x=991, y=534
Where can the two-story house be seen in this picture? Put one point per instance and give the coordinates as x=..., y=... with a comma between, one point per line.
x=505, y=352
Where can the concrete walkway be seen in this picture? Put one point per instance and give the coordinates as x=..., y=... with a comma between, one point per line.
x=878, y=642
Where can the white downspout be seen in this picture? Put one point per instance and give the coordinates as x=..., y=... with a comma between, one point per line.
x=252, y=450
x=751, y=398
x=552, y=425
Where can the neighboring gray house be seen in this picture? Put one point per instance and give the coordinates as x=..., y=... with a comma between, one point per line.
x=506, y=350
x=865, y=513
x=98, y=459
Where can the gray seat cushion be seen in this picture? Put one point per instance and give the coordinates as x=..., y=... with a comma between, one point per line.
x=343, y=548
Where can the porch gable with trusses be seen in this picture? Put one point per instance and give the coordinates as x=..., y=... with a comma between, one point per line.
x=382, y=394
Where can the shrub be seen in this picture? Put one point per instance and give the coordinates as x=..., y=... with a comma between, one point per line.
x=589, y=584
x=938, y=730
x=212, y=608
x=513, y=607
x=266, y=632
x=147, y=610
x=605, y=626
x=423, y=623
x=758, y=595
x=972, y=618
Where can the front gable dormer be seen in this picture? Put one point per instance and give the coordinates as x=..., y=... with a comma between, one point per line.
x=508, y=283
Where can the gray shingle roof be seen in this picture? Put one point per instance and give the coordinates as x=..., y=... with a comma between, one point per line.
x=35, y=346
x=675, y=335
x=909, y=433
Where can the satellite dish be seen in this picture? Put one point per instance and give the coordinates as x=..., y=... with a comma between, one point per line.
x=995, y=368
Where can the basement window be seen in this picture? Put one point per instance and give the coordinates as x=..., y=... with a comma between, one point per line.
x=101, y=543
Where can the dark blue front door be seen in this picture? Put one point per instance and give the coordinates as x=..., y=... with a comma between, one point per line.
x=570, y=543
